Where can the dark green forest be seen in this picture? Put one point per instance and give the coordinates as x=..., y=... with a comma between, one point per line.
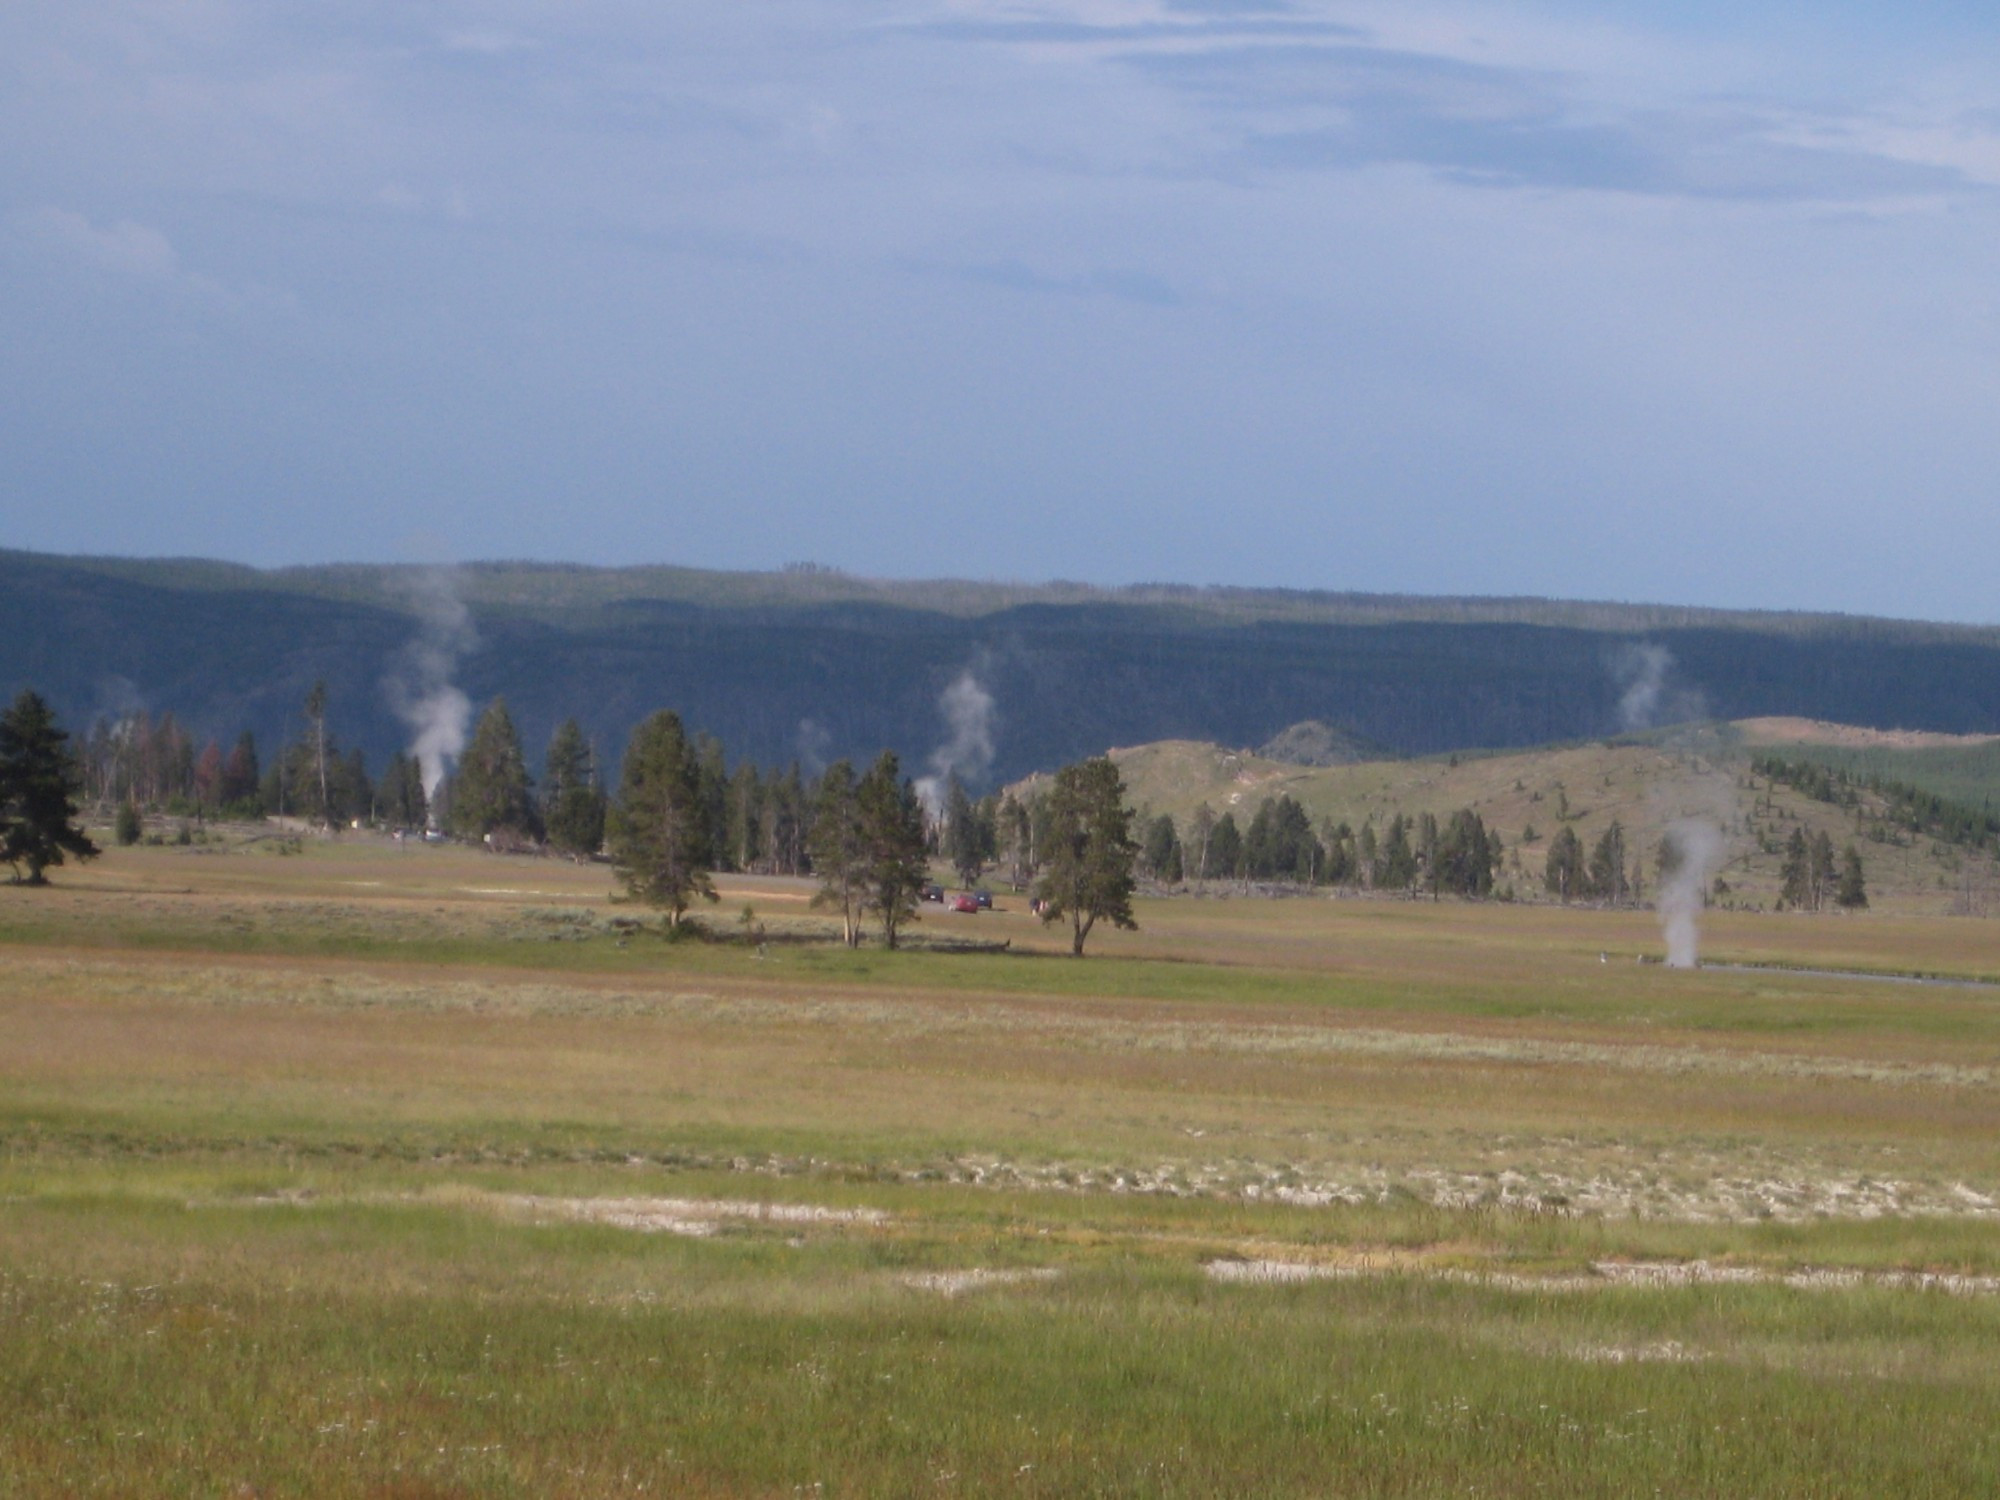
x=812, y=665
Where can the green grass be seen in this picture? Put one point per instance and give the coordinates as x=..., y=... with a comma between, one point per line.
x=295, y=1159
x=220, y=1348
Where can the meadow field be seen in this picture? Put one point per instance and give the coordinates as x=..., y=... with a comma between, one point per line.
x=422, y=1172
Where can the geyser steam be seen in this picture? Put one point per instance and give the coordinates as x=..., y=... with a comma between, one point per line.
x=968, y=714
x=1642, y=674
x=419, y=682
x=1693, y=851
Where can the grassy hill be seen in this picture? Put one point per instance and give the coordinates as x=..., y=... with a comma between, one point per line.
x=1645, y=783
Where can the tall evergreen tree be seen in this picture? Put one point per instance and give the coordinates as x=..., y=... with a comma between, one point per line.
x=1853, y=892
x=1395, y=860
x=892, y=838
x=1225, y=849
x=1820, y=864
x=746, y=816
x=1562, y=871
x=1462, y=863
x=964, y=844
x=786, y=823
x=400, y=795
x=1201, y=828
x=1607, y=865
x=1088, y=874
x=659, y=833
x=1161, y=853
x=839, y=849
x=355, y=794
x=39, y=786
x=572, y=800
x=491, y=793
x=319, y=754
x=712, y=776
x=1795, y=875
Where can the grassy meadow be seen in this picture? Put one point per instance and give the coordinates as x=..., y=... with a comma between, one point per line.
x=422, y=1172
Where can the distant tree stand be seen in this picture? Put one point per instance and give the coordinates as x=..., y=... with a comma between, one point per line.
x=659, y=840
x=39, y=786
x=892, y=843
x=1088, y=874
x=839, y=850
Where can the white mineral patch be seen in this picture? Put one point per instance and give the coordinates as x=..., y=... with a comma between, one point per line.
x=956, y=1283
x=689, y=1216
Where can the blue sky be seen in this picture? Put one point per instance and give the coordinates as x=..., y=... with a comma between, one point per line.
x=1694, y=303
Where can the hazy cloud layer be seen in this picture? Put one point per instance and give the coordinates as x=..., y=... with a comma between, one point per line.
x=1552, y=297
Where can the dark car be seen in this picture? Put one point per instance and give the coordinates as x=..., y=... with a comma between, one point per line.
x=934, y=893
x=984, y=898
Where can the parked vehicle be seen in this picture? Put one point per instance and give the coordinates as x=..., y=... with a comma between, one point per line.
x=984, y=898
x=964, y=903
x=934, y=893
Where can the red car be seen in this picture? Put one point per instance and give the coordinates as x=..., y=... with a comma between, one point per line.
x=964, y=903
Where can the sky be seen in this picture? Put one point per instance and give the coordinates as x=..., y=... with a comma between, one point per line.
x=1691, y=303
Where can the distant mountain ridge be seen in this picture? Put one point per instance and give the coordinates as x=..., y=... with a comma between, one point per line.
x=577, y=593
x=812, y=664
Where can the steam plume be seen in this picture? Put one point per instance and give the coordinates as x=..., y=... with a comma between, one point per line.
x=1642, y=672
x=812, y=744
x=968, y=713
x=419, y=682
x=1694, y=850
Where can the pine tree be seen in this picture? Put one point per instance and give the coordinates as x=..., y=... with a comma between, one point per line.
x=658, y=830
x=1225, y=849
x=963, y=845
x=491, y=794
x=892, y=839
x=573, y=802
x=1088, y=875
x=319, y=745
x=1820, y=865
x=1562, y=872
x=1607, y=865
x=400, y=796
x=39, y=786
x=1395, y=861
x=786, y=823
x=1853, y=892
x=746, y=812
x=1795, y=875
x=839, y=851
x=1162, y=848
x=1202, y=828
x=1465, y=856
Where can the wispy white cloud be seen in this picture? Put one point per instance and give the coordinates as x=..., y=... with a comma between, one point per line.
x=124, y=247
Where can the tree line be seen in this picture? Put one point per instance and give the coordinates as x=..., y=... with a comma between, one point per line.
x=1904, y=808
x=1459, y=856
x=681, y=811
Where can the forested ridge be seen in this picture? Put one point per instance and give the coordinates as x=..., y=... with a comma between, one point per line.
x=807, y=664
